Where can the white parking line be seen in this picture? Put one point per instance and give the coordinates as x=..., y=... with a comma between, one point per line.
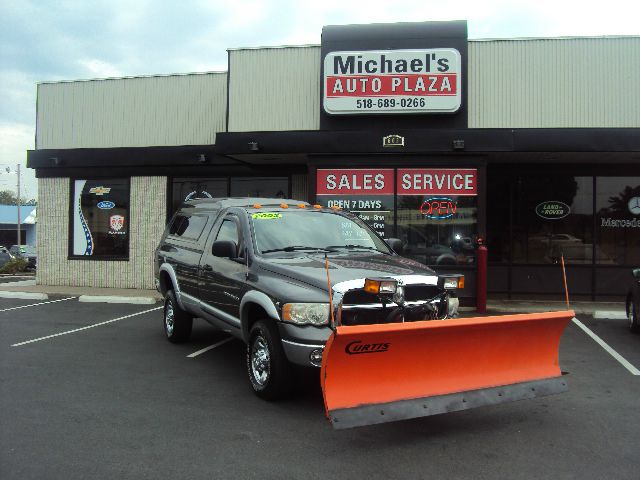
x=36, y=304
x=608, y=349
x=210, y=347
x=84, y=328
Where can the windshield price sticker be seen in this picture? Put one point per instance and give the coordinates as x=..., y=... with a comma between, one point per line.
x=266, y=215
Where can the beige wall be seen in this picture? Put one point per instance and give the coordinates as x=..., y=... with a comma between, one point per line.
x=274, y=89
x=555, y=83
x=148, y=215
x=132, y=112
x=533, y=83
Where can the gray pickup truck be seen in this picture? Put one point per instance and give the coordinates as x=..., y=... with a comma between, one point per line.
x=260, y=269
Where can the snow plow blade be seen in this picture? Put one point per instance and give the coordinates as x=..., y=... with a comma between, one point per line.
x=382, y=373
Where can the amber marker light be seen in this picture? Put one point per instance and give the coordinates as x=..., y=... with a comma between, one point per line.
x=257, y=205
x=302, y=205
x=284, y=205
x=376, y=285
x=317, y=206
x=461, y=282
x=335, y=207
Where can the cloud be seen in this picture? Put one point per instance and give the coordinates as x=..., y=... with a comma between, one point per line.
x=15, y=139
x=100, y=69
x=48, y=40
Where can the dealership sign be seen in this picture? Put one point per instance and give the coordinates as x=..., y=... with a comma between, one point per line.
x=392, y=82
x=355, y=181
x=437, y=181
x=552, y=210
x=410, y=181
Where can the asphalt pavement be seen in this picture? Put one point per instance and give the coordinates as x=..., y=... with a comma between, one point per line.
x=93, y=390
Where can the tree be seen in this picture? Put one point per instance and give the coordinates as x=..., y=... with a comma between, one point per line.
x=7, y=197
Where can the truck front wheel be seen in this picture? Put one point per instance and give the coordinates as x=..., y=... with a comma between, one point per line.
x=268, y=368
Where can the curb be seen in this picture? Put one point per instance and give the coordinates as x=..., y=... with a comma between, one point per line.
x=24, y=295
x=116, y=299
x=609, y=315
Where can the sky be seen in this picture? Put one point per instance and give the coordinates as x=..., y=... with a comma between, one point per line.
x=71, y=40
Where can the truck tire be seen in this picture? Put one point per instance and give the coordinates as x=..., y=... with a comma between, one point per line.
x=632, y=316
x=177, y=322
x=268, y=368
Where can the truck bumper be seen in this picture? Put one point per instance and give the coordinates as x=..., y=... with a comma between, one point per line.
x=303, y=345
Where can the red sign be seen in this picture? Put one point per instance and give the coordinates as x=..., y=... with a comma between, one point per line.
x=384, y=86
x=365, y=181
x=428, y=181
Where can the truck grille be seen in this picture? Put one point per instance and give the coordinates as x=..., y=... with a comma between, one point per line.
x=361, y=308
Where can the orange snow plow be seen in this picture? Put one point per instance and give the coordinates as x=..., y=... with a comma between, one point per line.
x=386, y=372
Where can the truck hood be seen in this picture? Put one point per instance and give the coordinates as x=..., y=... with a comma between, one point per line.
x=310, y=268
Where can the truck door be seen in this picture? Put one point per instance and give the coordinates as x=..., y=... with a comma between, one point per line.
x=222, y=280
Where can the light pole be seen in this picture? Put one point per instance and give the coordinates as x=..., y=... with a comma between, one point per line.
x=8, y=170
x=18, y=202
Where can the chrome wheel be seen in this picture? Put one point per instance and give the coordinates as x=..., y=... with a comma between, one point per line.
x=168, y=318
x=260, y=360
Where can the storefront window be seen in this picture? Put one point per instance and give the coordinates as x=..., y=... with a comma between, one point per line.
x=437, y=215
x=100, y=219
x=618, y=220
x=191, y=188
x=553, y=218
x=436, y=211
x=367, y=193
x=268, y=187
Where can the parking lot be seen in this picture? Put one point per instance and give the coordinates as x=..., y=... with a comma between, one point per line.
x=92, y=390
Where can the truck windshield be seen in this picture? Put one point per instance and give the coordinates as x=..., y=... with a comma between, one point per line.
x=288, y=231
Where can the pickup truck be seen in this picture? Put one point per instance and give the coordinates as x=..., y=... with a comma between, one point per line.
x=281, y=274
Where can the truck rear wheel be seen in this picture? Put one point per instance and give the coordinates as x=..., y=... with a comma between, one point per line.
x=268, y=368
x=177, y=322
x=632, y=316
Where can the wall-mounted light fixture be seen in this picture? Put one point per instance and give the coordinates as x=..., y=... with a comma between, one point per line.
x=253, y=146
x=458, y=144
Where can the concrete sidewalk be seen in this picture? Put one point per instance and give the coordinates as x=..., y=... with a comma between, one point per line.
x=610, y=310
x=28, y=289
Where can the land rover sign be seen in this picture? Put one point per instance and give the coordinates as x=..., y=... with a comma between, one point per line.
x=392, y=82
x=553, y=210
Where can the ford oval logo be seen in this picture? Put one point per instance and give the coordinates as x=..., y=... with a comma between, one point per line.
x=106, y=205
x=552, y=210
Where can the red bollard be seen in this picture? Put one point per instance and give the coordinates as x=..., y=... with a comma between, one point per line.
x=481, y=279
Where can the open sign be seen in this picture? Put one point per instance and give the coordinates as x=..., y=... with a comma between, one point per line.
x=439, y=208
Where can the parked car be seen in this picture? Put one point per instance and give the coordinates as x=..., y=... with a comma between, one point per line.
x=633, y=302
x=28, y=252
x=5, y=256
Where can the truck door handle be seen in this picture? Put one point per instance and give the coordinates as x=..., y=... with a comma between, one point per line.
x=168, y=248
x=207, y=268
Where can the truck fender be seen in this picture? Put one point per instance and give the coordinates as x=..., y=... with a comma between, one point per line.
x=259, y=298
x=166, y=267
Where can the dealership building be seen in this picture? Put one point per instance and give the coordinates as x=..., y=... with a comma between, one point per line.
x=531, y=145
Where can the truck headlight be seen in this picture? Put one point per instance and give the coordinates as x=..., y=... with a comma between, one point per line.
x=306, y=313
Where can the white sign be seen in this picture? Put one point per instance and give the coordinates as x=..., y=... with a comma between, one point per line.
x=392, y=82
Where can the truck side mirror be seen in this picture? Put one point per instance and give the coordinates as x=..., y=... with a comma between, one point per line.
x=395, y=244
x=224, y=249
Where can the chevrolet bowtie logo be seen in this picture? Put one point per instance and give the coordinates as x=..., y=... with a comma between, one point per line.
x=100, y=190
